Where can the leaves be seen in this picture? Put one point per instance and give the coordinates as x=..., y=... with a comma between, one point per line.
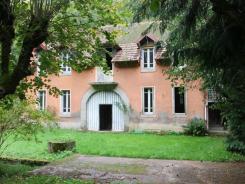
x=155, y=5
x=207, y=37
x=20, y=120
x=76, y=26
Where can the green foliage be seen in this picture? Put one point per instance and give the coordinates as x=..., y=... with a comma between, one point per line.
x=59, y=155
x=206, y=42
x=8, y=170
x=235, y=145
x=173, y=133
x=43, y=180
x=18, y=173
x=138, y=145
x=196, y=127
x=20, y=120
x=74, y=26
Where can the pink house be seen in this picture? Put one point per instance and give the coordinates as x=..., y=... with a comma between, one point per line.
x=135, y=95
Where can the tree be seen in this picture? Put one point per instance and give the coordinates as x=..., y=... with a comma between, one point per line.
x=208, y=41
x=74, y=26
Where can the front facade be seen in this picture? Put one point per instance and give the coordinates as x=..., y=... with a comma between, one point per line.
x=136, y=95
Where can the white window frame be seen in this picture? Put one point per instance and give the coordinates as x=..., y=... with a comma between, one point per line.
x=148, y=68
x=66, y=113
x=65, y=69
x=44, y=102
x=143, y=101
x=173, y=102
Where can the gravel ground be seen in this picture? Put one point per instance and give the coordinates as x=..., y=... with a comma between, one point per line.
x=130, y=170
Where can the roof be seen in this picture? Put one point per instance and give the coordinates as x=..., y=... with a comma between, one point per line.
x=131, y=52
x=148, y=37
x=127, y=52
x=159, y=53
x=129, y=40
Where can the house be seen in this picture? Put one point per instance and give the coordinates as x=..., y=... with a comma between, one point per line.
x=136, y=95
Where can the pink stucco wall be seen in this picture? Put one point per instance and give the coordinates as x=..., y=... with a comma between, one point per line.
x=132, y=80
x=77, y=83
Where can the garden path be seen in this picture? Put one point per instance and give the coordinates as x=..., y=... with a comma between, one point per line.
x=130, y=170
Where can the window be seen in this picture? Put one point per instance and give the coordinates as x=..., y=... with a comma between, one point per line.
x=179, y=100
x=65, y=68
x=148, y=58
x=148, y=98
x=66, y=102
x=42, y=99
x=109, y=58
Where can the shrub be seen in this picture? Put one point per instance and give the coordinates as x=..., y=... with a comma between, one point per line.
x=20, y=120
x=196, y=127
x=235, y=145
x=173, y=133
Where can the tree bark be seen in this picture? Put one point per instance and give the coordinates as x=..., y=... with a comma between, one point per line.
x=36, y=34
x=7, y=34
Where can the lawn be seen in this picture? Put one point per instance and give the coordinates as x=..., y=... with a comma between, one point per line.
x=177, y=147
x=12, y=173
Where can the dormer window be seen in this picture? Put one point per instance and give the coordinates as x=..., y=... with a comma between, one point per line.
x=148, y=61
x=147, y=44
x=109, y=58
x=65, y=68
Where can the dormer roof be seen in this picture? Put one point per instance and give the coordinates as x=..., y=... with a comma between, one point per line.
x=127, y=52
x=147, y=38
x=133, y=37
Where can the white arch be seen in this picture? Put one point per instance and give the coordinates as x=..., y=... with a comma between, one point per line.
x=91, y=92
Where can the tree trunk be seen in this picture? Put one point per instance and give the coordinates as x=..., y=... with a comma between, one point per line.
x=36, y=34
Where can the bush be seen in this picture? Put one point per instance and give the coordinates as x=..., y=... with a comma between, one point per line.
x=20, y=120
x=173, y=133
x=235, y=145
x=196, y=127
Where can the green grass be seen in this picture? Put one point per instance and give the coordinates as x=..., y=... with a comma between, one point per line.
x=177, y=147
x=11, y=173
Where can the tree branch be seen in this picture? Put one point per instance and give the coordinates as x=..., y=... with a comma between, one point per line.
x=230, y=10
x=7, y=34
x=36, y=34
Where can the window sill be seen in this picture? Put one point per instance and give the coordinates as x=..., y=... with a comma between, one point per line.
x=65, y=74
x=180, y=115
x=67, y=115
x=148, y=115
x=148, y=70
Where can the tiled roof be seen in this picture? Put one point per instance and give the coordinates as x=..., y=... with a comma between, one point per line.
x=159, y=53
x=131, y=52
x=129, y=40
x=150, y=36
x=127, y=52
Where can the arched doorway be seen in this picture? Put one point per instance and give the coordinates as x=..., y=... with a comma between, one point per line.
x=104, y=112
